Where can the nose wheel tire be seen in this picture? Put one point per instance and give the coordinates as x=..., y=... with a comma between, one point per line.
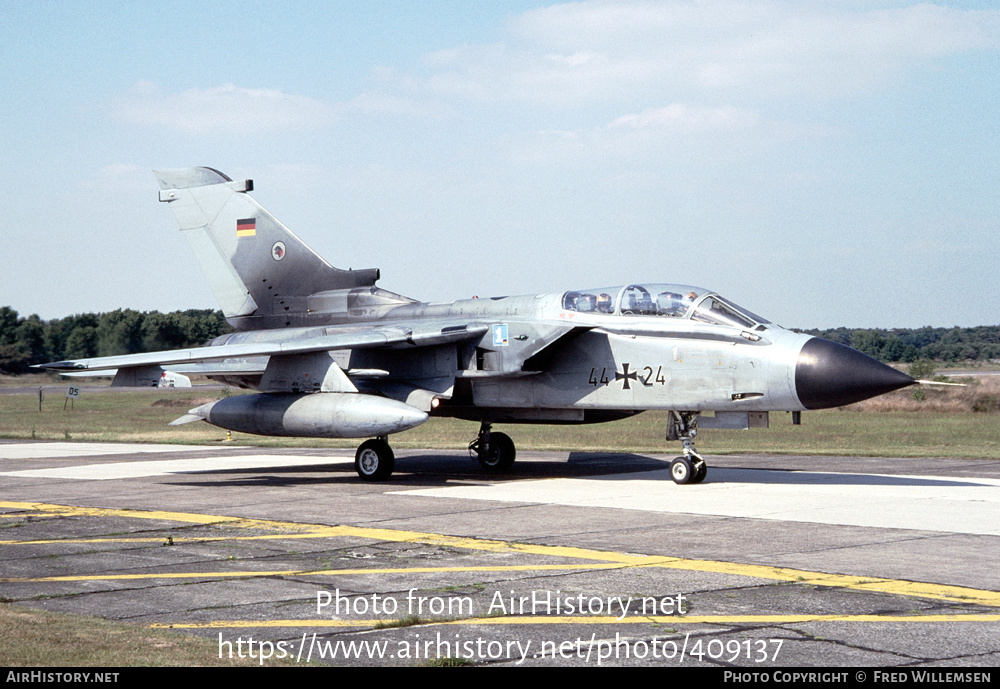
x=374, y=460
x=700, y=473
x=683, y=471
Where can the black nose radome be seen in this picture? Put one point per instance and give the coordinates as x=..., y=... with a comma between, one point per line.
x=829, y=374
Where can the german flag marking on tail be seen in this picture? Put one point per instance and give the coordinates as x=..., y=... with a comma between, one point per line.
x=246, y=227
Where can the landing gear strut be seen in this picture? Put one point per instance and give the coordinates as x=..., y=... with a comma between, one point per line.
x=691, y=468
x=494, y=450
x=374, y=460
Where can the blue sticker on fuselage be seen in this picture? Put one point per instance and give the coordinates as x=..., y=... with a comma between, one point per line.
x=500, y=335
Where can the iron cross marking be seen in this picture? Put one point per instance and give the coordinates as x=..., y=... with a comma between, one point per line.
x=627, y=375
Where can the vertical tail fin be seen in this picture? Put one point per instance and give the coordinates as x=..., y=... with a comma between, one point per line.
x=255, y=265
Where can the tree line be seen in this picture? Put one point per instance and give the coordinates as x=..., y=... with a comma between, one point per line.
x=31, y=340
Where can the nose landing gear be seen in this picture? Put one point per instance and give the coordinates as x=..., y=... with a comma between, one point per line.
x=691, y=467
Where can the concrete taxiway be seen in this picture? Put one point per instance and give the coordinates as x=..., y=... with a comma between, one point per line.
x=572, y=559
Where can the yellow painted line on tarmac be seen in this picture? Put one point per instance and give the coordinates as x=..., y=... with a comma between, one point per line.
x=566, y=620
x=330, y=532
x=608, y=559
x=34, y=516
x=184, y=517
x=307, y=572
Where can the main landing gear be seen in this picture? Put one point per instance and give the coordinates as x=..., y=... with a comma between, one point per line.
x=494, y=450
x=374, y=460
x=690, y=468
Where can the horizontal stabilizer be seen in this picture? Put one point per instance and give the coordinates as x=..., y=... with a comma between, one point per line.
x=187, y=418
x=149, y=377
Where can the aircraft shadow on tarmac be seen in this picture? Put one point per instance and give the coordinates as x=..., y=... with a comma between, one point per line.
x=432, y=470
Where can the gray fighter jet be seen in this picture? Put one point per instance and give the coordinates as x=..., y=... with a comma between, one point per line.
x=333, y=356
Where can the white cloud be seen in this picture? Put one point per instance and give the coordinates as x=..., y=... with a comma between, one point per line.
x=691, y=131
x=683, y=118
x=222, y=108
x=599, y=51
x=231, y=108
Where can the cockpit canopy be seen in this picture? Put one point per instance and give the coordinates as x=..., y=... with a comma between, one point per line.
x=673, y=301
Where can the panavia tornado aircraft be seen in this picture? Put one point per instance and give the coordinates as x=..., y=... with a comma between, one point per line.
x=333, y=356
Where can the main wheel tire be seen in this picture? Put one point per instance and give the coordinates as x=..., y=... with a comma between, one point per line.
x=374, y=460
x=499, y=454
x=681, y=470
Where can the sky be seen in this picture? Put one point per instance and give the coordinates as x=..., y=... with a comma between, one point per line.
x=823, y=164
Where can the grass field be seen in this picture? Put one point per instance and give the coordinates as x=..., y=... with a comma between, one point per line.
x=940, y=425
x=38, y=638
